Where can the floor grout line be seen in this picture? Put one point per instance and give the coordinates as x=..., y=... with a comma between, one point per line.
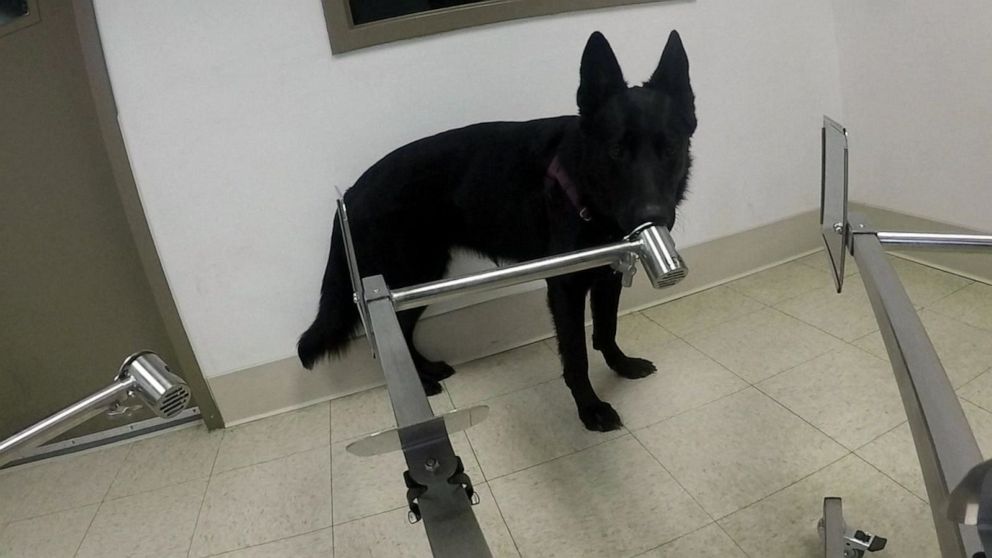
x=732, y=539
x=786, y=487
x=330, y=474
x=203, y=500
x=492, y=493
x=800, y=417
x=679, y=483
x=556, y=458
x=103, y=499
x=694, y=531
x=891, y=478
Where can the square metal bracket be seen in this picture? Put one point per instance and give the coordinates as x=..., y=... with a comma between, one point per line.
x=834, y=225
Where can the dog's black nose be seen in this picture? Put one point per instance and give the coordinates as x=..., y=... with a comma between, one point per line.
x=654, y=214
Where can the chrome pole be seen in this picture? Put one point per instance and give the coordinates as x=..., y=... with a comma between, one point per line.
x=978, y=242
x=436, y=291
x=66, y=419
x=651, y=244
x=143, y=375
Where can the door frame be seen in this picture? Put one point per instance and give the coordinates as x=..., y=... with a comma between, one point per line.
x=106, y=110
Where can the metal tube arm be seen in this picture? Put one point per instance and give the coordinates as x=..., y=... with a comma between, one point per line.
x=967, y=242
x=64, y=420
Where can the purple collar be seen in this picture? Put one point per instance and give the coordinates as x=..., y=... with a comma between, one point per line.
x=556, y=175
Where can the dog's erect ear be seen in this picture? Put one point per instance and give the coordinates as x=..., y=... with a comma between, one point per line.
x=672, y=77
x=600, y=75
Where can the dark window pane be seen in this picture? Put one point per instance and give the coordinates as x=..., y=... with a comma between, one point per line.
x=365, y=11
x=12, y=9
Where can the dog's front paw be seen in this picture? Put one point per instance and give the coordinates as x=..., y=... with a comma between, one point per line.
x=633, y=368
x=600, y=417
x=436, y=371
x=431, y=387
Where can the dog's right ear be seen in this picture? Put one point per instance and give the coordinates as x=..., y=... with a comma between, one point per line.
x=599, y=75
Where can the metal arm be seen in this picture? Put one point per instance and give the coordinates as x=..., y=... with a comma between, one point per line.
x=648, y=243
x=958, y=482
x=439, y=491
x=143, y=375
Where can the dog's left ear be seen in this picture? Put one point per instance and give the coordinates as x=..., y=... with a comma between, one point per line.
x=672, y=77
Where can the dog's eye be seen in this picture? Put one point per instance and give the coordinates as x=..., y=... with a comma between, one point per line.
x=615, y=151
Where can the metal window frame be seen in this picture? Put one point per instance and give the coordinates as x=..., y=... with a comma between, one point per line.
x=33, y=16
x=346, y=36
x=952, y=464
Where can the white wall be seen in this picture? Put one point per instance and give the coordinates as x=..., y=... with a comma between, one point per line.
x=238, y=122
x=917, y=78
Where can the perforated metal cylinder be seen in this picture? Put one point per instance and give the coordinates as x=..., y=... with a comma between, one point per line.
x=165, y=393
x=662, y=263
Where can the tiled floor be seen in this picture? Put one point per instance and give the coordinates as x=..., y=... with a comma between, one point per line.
x=728, y=449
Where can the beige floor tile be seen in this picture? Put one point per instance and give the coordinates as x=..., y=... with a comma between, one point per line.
x=610, y=500
x=782, y=282
x=318, y=544
x=58, y=484
x=849, y=394
x=155, y=523
x=895, y=454
x=820, y=261
x=369, y=411
x=964, y=350
x=737, y=450
x=502, y=373
x=872, y=502
x=274, y=437
x=708, y=542
x=847, y=315
x=702, y=310
x=926, y=285
x=265, y=502
x=365, y=486
x=979, y=391
x=634, y=331
x=686, y=378
x=760, y=345
x=972, y=305
x=55, y=535
x=531, y=426
x=390, y=535
x=167, y=459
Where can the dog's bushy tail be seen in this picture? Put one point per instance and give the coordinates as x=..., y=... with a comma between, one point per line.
x=337, y=316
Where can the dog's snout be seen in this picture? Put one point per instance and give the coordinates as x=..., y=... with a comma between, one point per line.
x=655, y=214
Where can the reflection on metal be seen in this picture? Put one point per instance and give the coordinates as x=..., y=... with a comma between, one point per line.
x=949, y=456
x=356, y=277
x=388, y=441
x=438, y=491
x=143, y=375
x=961, y=242
x=969, y=501
x=105, y=437
x=833, y=197
x=650, y=244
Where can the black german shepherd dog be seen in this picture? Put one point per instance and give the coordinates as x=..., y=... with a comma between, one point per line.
x=523, y=190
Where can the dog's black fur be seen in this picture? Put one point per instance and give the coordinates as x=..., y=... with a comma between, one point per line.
x=483, y=187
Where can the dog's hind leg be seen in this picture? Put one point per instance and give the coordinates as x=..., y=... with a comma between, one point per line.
x=605, y=300
x=431, y=373
x=567, y=300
